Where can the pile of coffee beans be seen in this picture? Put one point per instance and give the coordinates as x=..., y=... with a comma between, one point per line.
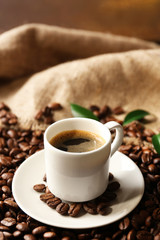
x=6, y=116
x=47, y=114
x=100, y=205
x=143, y=223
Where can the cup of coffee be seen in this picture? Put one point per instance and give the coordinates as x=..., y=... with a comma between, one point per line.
x=77, y=155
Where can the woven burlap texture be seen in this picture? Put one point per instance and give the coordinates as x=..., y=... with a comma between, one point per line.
x=41, y=64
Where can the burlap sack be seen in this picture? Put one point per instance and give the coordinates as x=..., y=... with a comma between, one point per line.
x=41, y=64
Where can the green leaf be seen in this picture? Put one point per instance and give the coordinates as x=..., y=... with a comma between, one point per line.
x=135, y=115
x=156, y=142
x=78, y=111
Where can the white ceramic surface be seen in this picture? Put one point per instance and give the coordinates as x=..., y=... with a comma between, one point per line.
x=83, y=176
x=32, y=170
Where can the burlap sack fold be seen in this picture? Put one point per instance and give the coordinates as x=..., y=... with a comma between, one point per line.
x=41, y=64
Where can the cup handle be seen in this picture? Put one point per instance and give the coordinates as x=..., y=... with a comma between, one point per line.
x=119, y=135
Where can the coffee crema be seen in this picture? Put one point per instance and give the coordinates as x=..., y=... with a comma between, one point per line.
x=77, y=141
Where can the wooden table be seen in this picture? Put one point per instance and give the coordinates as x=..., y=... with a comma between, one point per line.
x=138, y=18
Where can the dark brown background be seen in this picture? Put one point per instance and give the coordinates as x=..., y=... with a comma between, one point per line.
x=139, y=18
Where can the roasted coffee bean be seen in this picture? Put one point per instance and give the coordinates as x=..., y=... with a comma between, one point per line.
x=156, y=214
x=4, y=106
x=4, y=120
x=47, y=112
x=131, y=133
x=151, y=177
x=55, y=106
x=49, y=235
x=39, y=230
x=136, y=148
x=118, y=110
x=111, y=176
x=6, y=161
x=74, y=209
x=124, y=223
x=24, y=146
x=123, y=148
x=109, y=196
x=45, y=197
x=134, y=156
x=9, y=182
x=149, y=221
x=12, y=121
x=152, y=168
x=20, y=156
x=48, y=120
x=97, y=237
x=114, y=186
x=83, y=236
x=39, y=187
x=90, y=207
x=3, y=113
x=131, y=235
x=157, y=236
x=39, y=115
x=53, y=202
x=69, y=234
x=144, y=235
x=21, y=217
x=33, y=150
x=10, y=115
x=7, y=175
x=2, y=142
x=23, y=227
x=117, y=235
x=62, y=208
x=6, y=190
x=17, y=234
x=4, y=170
x=11, y=203
x=8, y=221
x=29, y=237
x=103, y=208
x=4, y=228
x=7, y=235
x=104, y=111
x=146, y=158
x=148, y=132
x=12, y=143
x=156, y=161
x=10, y=213
x=35, y=141
x=12, y=133
x=94, y=108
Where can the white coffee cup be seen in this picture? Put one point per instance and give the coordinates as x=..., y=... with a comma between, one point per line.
x=79, y=177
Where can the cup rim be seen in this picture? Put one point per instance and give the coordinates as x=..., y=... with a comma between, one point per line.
x=76, y=153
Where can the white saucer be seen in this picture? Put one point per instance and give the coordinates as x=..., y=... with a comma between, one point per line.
x=32, y=170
